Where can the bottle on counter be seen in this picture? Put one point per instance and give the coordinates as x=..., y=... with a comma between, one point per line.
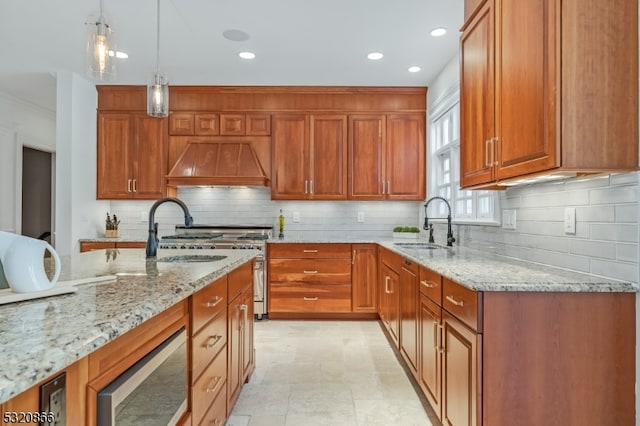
x=281, y=225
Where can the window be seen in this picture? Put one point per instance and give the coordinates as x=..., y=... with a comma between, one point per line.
x=444, y=169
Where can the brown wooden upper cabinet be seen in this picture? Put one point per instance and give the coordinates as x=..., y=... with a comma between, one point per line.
x=538, y=97
x=309, y=157
x=131, y=156
x=219, y=124
x=387, y=157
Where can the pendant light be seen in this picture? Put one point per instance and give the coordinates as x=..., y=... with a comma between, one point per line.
x=158, y=89
x=101, y=48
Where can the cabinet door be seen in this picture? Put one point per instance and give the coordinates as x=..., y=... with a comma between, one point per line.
x=247, y=333
x=115, y=180
x=460, y=373
x=258, y=124
x=207, y=124
x=477, y=99
x=405, y=157
x=408, y=313
x=181, y=124
x=234, y=341
x=366, y=174
x=526, y=70
x=232, y=124
x=290, y=145
x=430, y=364
x=364, y=278
x=149, y=157
x=328, y=157
x=389, y=301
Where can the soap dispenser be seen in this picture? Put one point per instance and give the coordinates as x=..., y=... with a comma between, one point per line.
x=281, y=225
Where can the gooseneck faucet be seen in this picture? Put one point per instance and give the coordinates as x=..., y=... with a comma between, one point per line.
x=152, y=240
x=450, y=239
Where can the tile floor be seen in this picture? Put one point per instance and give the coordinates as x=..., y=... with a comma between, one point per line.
x=326, y=373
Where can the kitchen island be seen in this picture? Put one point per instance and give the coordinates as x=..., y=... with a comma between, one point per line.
x=43, y=336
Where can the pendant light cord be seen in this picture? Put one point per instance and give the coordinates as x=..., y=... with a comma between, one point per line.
x=158, y=43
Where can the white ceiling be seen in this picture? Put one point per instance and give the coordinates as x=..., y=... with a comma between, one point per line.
x=296, y=42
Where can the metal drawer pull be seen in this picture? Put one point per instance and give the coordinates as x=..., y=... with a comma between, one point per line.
x=309, y=251
x=135, y=185
x=428, y=284
x=212, y=341
x=216, y=422
x=435, y=334
x=306, y=186
x=213, y=385
x=214, y=302
x=310, y=272
x=129, y=185
x=310, y=298
x=454, y=301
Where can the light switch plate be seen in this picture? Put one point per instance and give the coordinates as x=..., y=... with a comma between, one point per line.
x=360, y=217
x=569, y=220
x=296, y=217
x=509, y=219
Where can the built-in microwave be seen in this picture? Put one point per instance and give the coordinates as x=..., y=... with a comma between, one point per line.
x=152, y=392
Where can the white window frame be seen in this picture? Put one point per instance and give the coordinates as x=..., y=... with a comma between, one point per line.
x=448, y=106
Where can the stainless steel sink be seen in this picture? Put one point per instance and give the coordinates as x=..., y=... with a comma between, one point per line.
x=192, y=258
x=420, y=246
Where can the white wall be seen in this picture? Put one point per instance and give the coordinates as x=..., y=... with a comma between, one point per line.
x=21, y=123
x=78, y=213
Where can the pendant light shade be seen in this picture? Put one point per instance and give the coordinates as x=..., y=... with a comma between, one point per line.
x=101, y=48
x=158, y=89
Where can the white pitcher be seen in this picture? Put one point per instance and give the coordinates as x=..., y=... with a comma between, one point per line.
x=22, y=261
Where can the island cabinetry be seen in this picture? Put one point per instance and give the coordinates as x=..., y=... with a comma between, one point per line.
x=209, y=351
x=524, y=56
x=386, y=157
x=389, y=291
x=309, y=278
x=364, y=278
x=241, y=357
x=309, y=157
x=131, y=156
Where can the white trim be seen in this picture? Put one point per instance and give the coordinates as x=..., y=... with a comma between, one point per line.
x=444, y=102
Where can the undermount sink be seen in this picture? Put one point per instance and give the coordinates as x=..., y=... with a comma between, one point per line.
x=421, y=246
x=192, y=258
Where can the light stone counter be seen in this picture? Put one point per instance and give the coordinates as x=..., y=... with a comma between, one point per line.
x=42, y=336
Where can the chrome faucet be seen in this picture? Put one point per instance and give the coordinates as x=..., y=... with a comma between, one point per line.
x=450, y=239
x=152, y=240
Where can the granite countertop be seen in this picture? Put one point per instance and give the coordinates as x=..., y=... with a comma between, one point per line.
x=482, y=271
x=42, y=336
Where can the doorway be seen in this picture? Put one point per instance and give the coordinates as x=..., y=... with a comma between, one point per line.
x=37, y=218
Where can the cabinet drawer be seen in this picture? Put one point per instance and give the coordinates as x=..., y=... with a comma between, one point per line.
x=301, y=297
x=239, y=279
x=212, y=384
x=206, y=344
x=431, y=285
x=390, y=259
x=310, y=251
x=217, y=413
x=206, y=303
x=463, y=303
x=310, y=270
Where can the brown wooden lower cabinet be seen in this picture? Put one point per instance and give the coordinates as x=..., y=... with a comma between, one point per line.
x=364, y=278
x=389, y=290
x=408, y=313
x=430, y=364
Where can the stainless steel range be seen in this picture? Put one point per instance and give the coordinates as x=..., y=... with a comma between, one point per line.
x=211, y=237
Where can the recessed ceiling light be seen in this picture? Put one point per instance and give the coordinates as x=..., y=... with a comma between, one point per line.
x=247, y=55
x=414, y=69
x=235, y=35
x=374, y=56
x=437, y=32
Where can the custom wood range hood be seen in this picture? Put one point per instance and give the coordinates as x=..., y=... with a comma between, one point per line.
x=218, y=163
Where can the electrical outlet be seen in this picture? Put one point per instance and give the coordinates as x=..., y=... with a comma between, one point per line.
x=144, y=216
x=509, y=219
x=53, y=400
x=360, y=217
x=570, y=220
x=296, y=217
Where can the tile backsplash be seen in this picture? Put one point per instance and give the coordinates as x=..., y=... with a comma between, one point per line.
x=253, y=206
x=606, y=239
